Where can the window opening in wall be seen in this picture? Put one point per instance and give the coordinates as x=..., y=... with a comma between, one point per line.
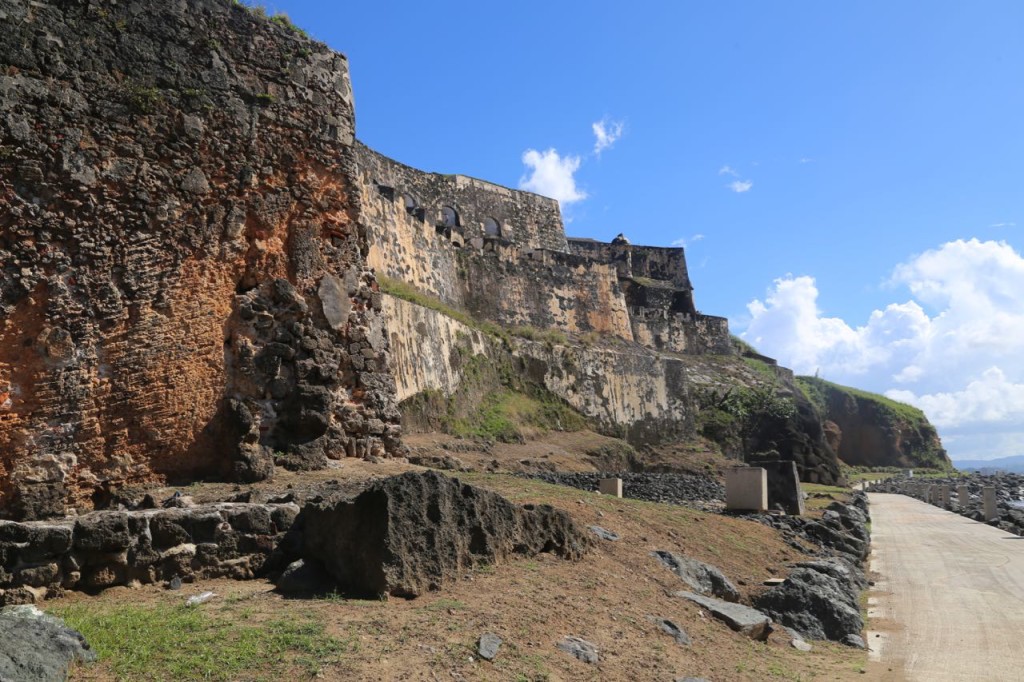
x=449, y=218
x=491, y=228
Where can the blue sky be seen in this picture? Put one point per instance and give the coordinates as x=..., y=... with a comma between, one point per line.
x=847, y=177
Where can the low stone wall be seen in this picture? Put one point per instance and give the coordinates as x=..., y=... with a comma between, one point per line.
x=107, y=548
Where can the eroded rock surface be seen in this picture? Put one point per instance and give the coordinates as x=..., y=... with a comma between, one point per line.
x=183, y=280
x=415, y=532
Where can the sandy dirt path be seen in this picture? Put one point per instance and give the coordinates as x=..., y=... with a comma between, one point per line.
x=948, y=603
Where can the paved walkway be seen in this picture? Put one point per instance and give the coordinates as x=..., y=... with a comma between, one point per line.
x=948, y=603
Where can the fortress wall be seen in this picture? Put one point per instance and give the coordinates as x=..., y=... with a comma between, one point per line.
x=682, y=333
x=406, y=245
x=429, y=209
x=545, y=290
x=667, y=264
x=425, y=347
x=627, y=392
x=184, y=290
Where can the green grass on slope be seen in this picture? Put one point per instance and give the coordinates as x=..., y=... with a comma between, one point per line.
x=176, y=642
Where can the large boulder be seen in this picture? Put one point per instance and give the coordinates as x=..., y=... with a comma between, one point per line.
x=415, y=532
x=38, y=647
x=818, y=600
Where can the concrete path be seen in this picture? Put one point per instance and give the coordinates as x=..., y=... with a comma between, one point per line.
x=948, y=602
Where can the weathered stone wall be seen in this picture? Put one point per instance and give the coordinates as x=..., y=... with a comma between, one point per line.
x=665, y=264
x=681, y=332
x=184, y=289
x=418, y=221
x=426, y=347
x=627, y=391
x=544, y=290
x=107, y=548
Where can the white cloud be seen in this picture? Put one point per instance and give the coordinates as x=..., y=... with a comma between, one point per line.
x=552, y=175
x=728, y=170
x=1003, y=225
x=953, y=349
x=805, y=159
x=606, y=133
x=740, y=186
x=685, y=241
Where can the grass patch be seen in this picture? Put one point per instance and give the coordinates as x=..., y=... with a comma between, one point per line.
x=176, y=642
x=503, y=415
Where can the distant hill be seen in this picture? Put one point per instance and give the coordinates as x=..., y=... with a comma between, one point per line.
x=1013, y=464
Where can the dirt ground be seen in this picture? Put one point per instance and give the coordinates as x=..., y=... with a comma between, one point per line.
x=606, y=598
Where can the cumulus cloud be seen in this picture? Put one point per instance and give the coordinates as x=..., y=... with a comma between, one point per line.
x=740, y=186
x=952, y=349
x=606, y=133
x=552, y=175
x=728, y=170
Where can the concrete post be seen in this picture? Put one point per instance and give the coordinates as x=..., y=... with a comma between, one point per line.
x=962, y=496
x=611, y=486
x=988, y=496
x=945, y=496
x=746, y=489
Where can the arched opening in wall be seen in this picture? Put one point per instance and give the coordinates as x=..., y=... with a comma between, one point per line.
x=449, y=217
x=457, y=239
x=412, y=206
x=492, y=228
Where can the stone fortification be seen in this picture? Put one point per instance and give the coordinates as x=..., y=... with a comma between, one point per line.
x=502, y=255
x=184, y=285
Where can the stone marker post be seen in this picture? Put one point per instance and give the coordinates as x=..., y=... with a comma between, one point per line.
x=945, y=496
x=611, y=486
x=746, y=489
x=988, y=496
x=962, y=496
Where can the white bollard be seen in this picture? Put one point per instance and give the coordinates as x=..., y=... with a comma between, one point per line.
x=962, y=496
x=988, y=496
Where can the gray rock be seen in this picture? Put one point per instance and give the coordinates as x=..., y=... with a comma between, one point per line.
x=604, y=534
x=175, y=583
x=815, y=604
x=670, y=628
x=335, y=300
x=743, y=619
x=579, y=648
x=38, y=647
x=699, y=577
x=855, y=641
x=690, y=679
x=800, y=645
x=488, y=646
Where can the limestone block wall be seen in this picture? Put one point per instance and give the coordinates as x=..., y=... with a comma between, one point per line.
x=666, y=264
x=418, y=221
x=681, y=332
x=184, y=286
x=425, y=348
x=545, y=290
x=628, y=392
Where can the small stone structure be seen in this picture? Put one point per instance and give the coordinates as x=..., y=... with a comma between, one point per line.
x=746, y=489
x=963, y=496
x=988, y=497
x=611, y=486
